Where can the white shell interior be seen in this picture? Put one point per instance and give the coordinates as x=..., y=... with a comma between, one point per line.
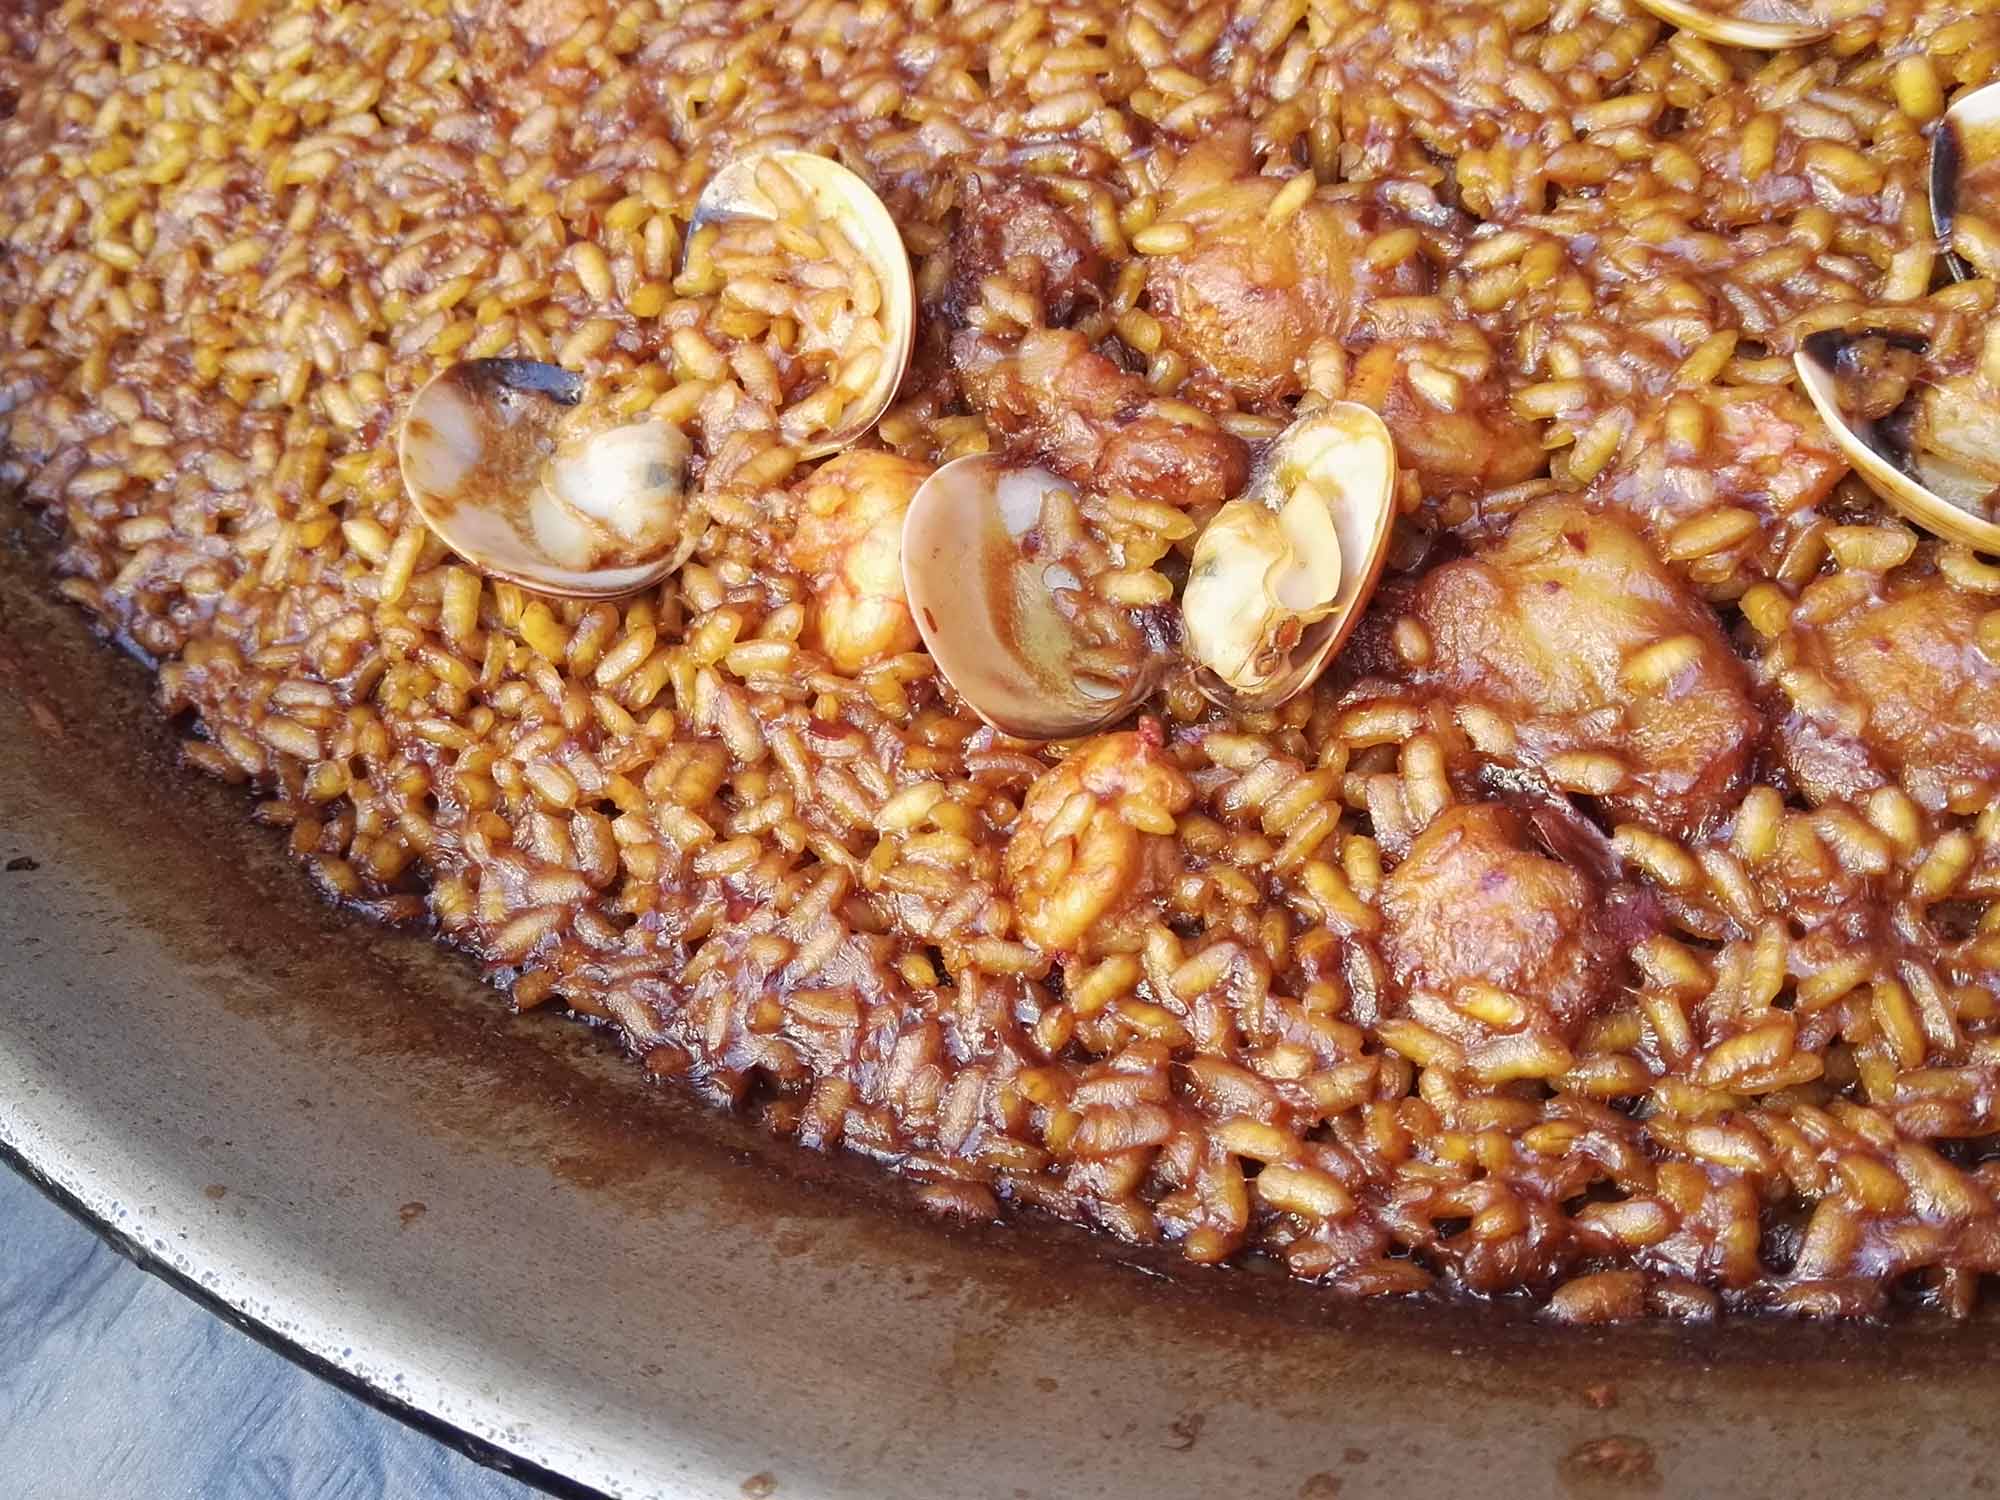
x=1907, y=495
x=972, y=592
x=1732, y=31
x=841, y=195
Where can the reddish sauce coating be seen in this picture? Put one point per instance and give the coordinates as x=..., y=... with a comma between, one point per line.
x=1909, y=697
x=1515, y=957
x=1548, y=628
x=1474, y=904
x=165, y=20
x=1093, y=422
x=1249, y=302
x=1478, y=443
x=1015, y=226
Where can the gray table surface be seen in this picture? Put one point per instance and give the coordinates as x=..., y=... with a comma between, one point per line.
x=114, y=1386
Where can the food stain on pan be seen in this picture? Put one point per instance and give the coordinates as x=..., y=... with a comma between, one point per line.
x=759, y=1486
x=1615, y=1464
x=974, y=1360
x=410, y=1212
x=16, y=677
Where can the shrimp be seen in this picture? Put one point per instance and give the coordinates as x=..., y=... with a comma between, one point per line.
x=1093, y=846
x=849, y=542
x=1764, y=452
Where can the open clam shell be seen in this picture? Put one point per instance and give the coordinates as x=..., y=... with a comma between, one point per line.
x=1965, y=169
x=1279, y=577
x=987, y=609
x=505, y=460
x=746, y=188
x=1879, y=462
x=1758, y=34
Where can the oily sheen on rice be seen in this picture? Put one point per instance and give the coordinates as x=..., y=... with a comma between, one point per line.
x=1612, y=923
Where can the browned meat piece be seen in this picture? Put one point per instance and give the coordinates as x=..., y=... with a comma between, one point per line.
x=1246, y=303
x=1460, y=436
x=1016, y=229
x=157, y=20
x=1904, y=694
x=1474, y=905
x=543, y=23
x=1092, y=848
x=1093, y=423
x=1576, y=635
x=1763, y=454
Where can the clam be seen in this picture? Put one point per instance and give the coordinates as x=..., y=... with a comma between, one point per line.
x=1780, y=26
x=523, y=478
x=1279, y=576
x=1928, y=443
x=1965, y=168
x=1933, y=452
x=805, y=191
x=1277, y=582
x=992, y=613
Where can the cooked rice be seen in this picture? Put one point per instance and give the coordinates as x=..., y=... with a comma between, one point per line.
x=1225, y=981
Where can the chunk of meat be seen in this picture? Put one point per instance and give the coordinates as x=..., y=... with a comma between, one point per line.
x=1015, y=228
x=1459, y=435
x=1246, y=302
x=1093, y=846
x=849, y=541
x=1576, y=635
x=159, y=20
x=1475, y=905
x=1904, y=693
x=543, y=23
x=1763, y=452
x=1093, y=423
